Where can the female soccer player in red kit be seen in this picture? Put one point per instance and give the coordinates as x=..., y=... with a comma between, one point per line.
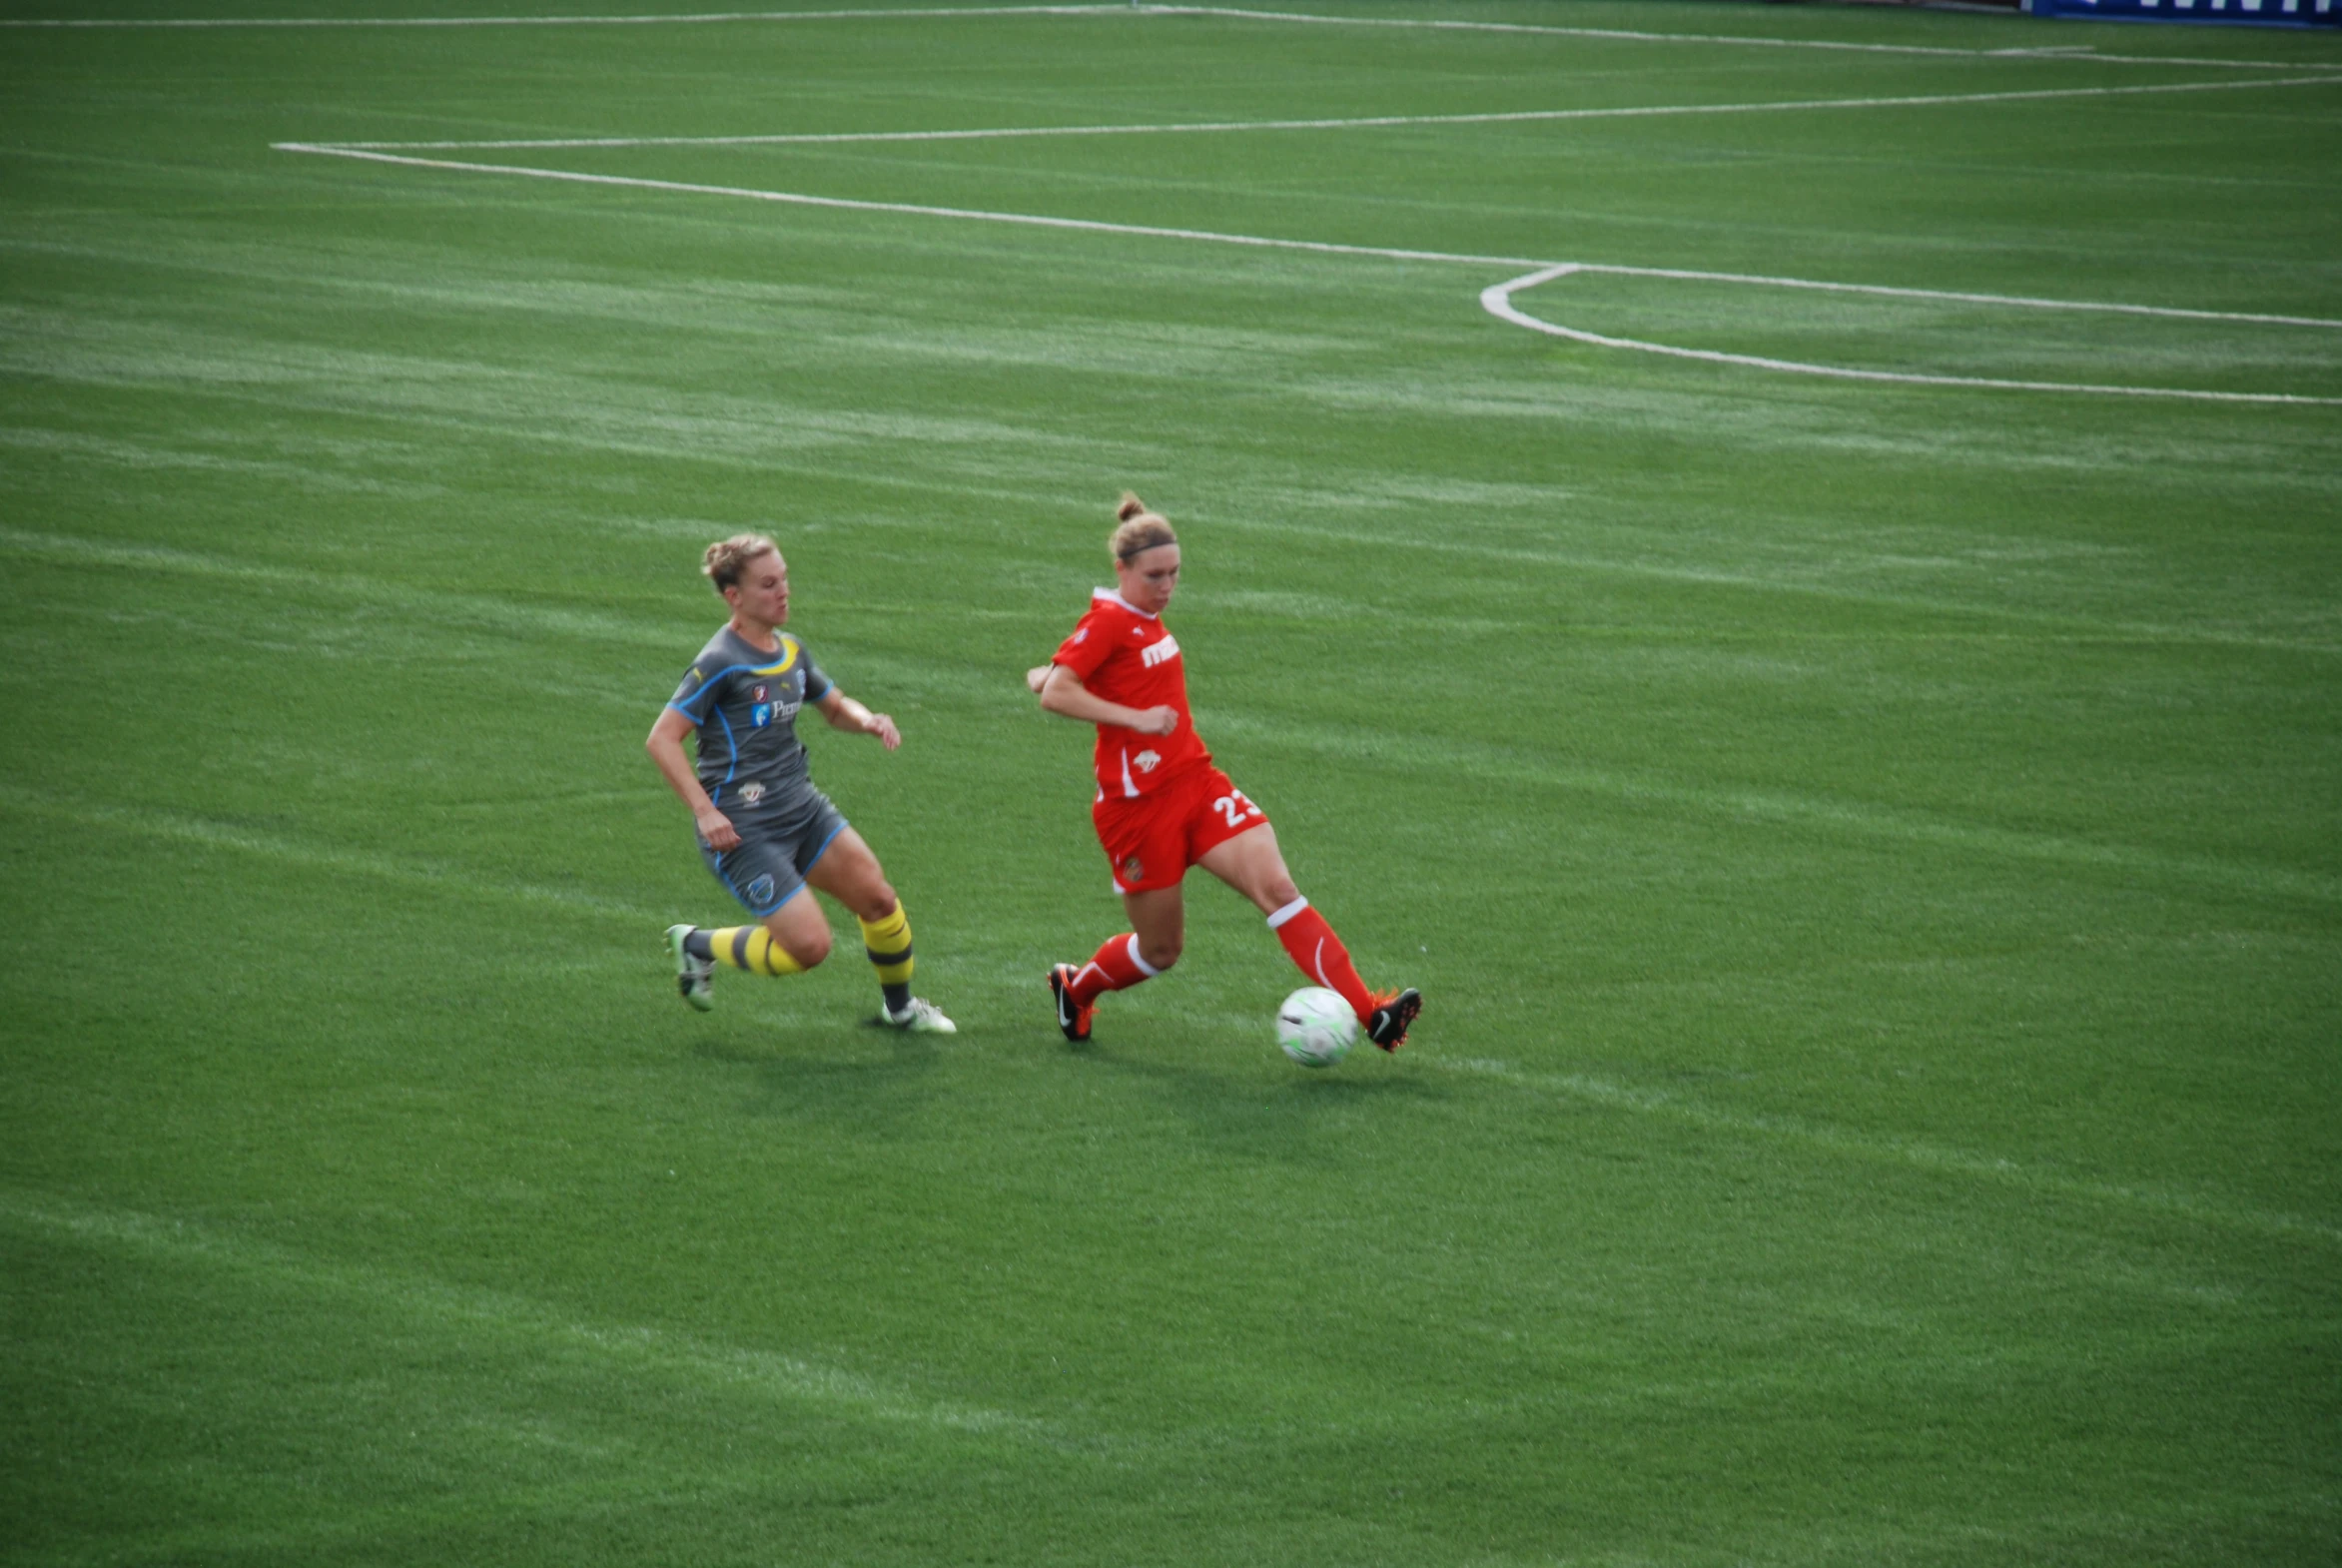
x=1162, y=804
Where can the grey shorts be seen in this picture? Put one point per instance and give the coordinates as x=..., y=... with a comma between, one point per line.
x=776, y=850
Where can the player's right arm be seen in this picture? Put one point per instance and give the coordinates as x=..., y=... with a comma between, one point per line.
x=665, y=746
x=1061, y=691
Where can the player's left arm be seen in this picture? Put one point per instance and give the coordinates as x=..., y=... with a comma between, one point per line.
x=843, y=712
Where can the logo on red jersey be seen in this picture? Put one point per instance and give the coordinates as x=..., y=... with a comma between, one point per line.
x=1147, y=761
x=1132, y=870
x=1155, y=652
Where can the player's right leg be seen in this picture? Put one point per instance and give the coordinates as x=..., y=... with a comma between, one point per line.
x=849, y=872
x=1251, y=863
x=790, y=934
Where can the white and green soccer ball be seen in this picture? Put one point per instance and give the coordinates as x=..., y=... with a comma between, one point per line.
x=1315, y=1027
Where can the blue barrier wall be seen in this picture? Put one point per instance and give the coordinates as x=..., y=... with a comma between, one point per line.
x=2297, y=13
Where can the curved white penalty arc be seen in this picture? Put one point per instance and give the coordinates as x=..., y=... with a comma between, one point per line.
x=1496, y=299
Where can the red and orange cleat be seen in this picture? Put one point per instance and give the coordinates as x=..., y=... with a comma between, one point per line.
x=1394, y=1011
x=1073, y=1017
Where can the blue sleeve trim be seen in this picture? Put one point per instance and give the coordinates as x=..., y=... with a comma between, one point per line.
x=733, y=766
x=706, y=689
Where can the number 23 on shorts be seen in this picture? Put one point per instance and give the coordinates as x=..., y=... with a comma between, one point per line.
x=1235, y=806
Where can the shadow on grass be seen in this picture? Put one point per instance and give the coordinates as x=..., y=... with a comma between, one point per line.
x=856, y=1076
x=1294, y=1119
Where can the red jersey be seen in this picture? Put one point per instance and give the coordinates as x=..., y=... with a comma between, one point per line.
x=1129, y=656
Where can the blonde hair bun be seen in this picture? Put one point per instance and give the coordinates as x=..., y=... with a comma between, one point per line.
x=1139, y=529
x=725, y=560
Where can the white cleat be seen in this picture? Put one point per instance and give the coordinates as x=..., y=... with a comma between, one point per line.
x=694, y=977
x=922, y=1017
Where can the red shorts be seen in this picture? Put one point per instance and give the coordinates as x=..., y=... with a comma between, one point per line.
x=1152, y=840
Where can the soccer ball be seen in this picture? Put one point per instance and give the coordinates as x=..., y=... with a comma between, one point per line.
x=1315, y=1027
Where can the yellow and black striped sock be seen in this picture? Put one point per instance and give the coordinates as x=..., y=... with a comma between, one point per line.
x=888, y=942
x=753, y=949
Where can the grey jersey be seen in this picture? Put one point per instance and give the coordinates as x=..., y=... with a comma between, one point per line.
x=745, y=702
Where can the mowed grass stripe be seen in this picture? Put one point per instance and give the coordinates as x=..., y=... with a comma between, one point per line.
x=147, y=822
x=592, y=1426
x=2050, y=627
x=1356, y=123
x=1353, y=746
x=1832, y=1141
x=654, y=1354
x=2197, y=1209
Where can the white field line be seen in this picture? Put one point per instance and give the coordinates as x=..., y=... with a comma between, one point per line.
x=1365, y=121
x=1739, y=41
x=910, y=209
x=1742, y=41
x=1496, y=299
x=1265, y=242
x=701, y=19
x=2054, y=52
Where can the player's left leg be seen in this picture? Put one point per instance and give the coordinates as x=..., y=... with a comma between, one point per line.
x=1145, y=839
x=1251, y=863
x=847, y=870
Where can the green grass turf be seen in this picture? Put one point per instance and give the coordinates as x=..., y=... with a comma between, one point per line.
x=1874, y=854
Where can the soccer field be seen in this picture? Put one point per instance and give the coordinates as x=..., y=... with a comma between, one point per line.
x=1783, y=564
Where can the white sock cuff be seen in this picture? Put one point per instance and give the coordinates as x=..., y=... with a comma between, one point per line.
x=1145, y=968
x=1287, y=913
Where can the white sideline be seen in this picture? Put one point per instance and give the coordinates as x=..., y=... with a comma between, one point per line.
x=2054, y=52
x=878, y=13
x=1266, y=242
x=1496, y=299
x=699, y=19
x=1492, y=117
x=850, y=204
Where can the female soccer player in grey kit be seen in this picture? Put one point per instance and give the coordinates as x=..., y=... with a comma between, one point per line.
x=764, y=830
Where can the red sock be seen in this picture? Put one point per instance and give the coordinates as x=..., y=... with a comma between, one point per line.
x=1114, y=966
x=1318, y=953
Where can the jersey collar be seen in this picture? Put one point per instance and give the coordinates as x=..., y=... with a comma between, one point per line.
x=1113, y=596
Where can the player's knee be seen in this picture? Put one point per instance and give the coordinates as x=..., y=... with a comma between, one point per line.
x=1160, y=954
x=878, y=905
x=810, y=948
x=1277, y=893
